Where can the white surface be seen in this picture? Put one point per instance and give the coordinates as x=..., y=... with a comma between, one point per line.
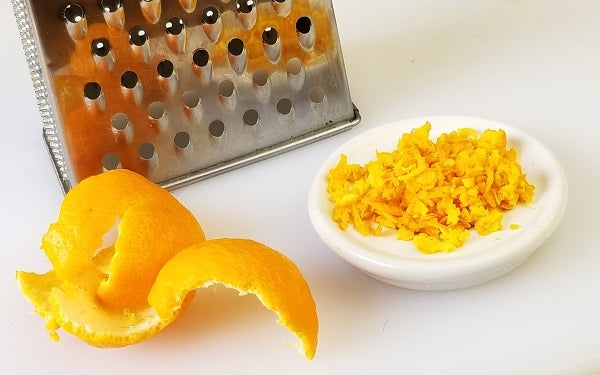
x=530, y=63
x=481, y=258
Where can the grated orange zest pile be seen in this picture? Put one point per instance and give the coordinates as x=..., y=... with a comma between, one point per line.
x=100, y=291
x=431, y=193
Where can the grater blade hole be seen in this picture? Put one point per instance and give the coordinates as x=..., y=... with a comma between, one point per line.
x=111, y=161
x=217, y=128
x=317, y=95
x=303, y=25
x=245, y=6
x=260, y=77
x=165, y=68
x=174, y=26
x=284, y=106
x=129, y=79
x=294, y=66
x=270, y=36
x=138, y=36
x=101, y=47
x=151, y=9
x=146, y=151
x=92, y=90
x=282, y=7
x=191, y=99
x=73, y=13
x=111, y=6
x=120, y=121
x=201, y=57
x=226, y=88
x=156, y=110
x=236, y=46
x=182, y=140
x=251, y=117
x=210, y=15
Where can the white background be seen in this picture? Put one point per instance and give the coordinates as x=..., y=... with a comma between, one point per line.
x=534, y=64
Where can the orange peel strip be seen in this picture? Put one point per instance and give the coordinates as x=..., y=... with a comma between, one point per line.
x=122, y=294
x=153, y=226
x=73, y=308
x=248, y=267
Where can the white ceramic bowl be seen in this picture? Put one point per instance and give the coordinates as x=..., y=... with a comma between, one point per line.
x=481, y=258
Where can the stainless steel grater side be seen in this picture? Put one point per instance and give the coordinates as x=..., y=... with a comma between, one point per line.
x=182, y=90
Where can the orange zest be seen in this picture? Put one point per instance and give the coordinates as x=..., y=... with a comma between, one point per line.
x=115, y=294
x=431, y=192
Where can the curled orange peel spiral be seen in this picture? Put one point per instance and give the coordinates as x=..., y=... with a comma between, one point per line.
x=112, y=295
x=248, y=267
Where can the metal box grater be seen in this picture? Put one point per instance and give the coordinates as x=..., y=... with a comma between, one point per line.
x=181, y=90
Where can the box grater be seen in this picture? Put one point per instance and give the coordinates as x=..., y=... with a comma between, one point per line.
x=181, y=90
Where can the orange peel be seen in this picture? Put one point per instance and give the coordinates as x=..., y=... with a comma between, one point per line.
x=112, y=295
x=74, y=308
x=152, y=227
x=248, y=267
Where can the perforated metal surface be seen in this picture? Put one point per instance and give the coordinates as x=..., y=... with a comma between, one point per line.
x=182, y=90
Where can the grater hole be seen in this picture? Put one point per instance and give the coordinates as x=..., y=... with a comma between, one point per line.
x=317, y=95
x=210, y=15
x=260, y=77
x=129, y=79
x=235, y=46
x=245, y=6
x=174, y=26
x=165, y=68
x=146, y=151
x=217, y=128
x=120, y=121
x=101, y=47
x=110, y=6
x=73, y=13
x=282, y=7
x=151, y=9
x=138, y=36
x=226, y=88
x=251, y=117
x=303, y=25
x=156, y=110
x=92, y=90
x=270, y=36
x=182, y=140
x=294, y=66
x=110, y=162
x=284, y=106
x=191, y=99
x=201, y=57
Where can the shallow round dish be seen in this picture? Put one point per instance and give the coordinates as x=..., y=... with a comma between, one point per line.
x=481, y=258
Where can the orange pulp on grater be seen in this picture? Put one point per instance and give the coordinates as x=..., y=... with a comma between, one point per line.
x=121, y=293
x=89, y=134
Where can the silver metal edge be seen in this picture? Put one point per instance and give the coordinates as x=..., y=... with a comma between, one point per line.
x=264, y=153
x=42, y=94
